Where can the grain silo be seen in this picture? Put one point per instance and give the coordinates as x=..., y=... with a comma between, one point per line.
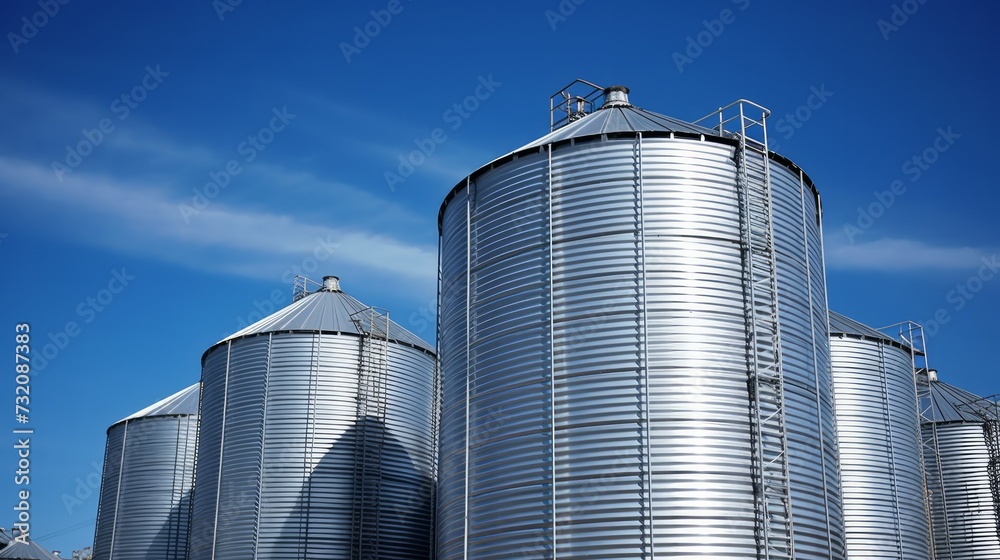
x=962, y=456
x=878, y=426
x=145, y=498
x=633, y=345
x=316, y=437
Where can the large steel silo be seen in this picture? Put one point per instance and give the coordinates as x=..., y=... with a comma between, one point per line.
x=317, y=437
x=962, y=457
x=633, y=345
x=145, y=502
x=878, y=427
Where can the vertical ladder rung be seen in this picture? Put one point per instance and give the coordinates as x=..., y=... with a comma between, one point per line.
x=774, y=530
x=371, y=407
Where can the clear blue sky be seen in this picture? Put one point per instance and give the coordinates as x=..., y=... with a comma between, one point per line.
x=867, y=99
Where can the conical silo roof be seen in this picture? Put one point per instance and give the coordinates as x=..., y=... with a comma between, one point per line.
x=328, y=310
x=843, y=325
x=26, y=550
x=183, y=402
x=952, y=404
x=618, y=118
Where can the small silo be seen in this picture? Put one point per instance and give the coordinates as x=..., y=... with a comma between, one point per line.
x=878, y=427
x=316, y=437
x=962, y=457
x=633, y=345
x=145, y=500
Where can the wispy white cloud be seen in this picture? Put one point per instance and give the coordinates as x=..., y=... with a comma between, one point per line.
x=451, y=161
x=147, y=141
x=355, y=204
x=126, y=198
x=142, y=218
x=900, y=255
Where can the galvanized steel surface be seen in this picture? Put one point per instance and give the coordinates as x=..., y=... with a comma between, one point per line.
x=965, y=521
x=878, y=426
x=593, y=355
x=280, y=445
x=330, y=314
x=145, y=497
x=841, y=324
x=612, y=120
x=952, y=404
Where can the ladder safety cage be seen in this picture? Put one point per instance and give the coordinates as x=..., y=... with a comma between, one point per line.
x=911, y=334
x=745, y=122
x=373, y=324
x=737, y=120
x=573, y=102
x=991, y=431
x=988, y=410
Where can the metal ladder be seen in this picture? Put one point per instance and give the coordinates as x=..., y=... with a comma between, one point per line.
x=769, y=441
x=991, y=431
x=911, y=334
x=371, y=408
x=988, y=410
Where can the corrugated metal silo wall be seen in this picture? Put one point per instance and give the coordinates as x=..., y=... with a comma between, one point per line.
x=812, y=437
x=279, y=445
x=878, y=423
x=965, y=522
x=595, y=379
x=146, y=489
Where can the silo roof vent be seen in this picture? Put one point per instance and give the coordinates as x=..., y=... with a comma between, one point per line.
x=615, y=96
x=331, y=284
x=326, y=310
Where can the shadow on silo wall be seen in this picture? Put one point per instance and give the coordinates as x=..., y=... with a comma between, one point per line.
x=171, y=542
x=394, y=493
x=365, y=500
